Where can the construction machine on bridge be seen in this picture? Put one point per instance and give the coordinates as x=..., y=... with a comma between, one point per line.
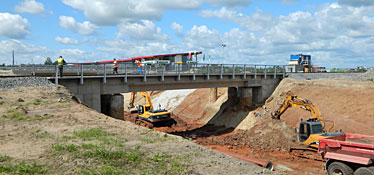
x=147, y=116
x=311, y=130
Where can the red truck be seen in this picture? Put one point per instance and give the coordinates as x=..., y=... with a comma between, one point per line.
x=348, y=154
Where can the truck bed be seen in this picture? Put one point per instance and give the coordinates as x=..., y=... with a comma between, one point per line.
x=356, y=148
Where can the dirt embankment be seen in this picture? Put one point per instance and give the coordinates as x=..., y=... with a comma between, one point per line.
x=347, y=103
x=44, y=131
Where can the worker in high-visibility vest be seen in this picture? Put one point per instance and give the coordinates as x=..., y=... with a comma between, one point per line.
x=115, y=66
x=139, y=64
x=60, y=63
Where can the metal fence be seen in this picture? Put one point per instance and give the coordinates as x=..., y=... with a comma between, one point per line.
x=162, y=70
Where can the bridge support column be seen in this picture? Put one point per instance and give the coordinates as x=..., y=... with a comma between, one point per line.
x=213, y=95
x=260, y=94
x=242, y=95
x=113, y=105
x=245, y=95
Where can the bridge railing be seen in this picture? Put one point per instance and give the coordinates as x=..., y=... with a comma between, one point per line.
x=126, y=69
x=162, y=70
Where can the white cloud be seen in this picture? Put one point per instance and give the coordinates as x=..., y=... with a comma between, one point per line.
x=85, y=28
x=24, y=53
x=113, y=12
x=178, y=28
x=128, y=49
x=200, y=37
x=146, y=30
x=66, y=40
x=13, y=26
x=29, y=6
x=357, y=3
x=256, y=22
x=229, y=3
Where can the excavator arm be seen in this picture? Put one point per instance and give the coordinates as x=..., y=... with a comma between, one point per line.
x=148, y=100
x=295, y=101
x=132, y=99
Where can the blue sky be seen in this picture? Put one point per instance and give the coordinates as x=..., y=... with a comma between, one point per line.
x=337, y=33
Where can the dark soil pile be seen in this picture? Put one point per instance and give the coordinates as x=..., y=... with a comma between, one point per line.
x=267, y=134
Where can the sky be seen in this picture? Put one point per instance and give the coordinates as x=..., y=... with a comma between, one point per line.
x=337, y=33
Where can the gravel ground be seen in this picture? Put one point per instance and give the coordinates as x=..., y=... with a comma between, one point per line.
x=9, y=83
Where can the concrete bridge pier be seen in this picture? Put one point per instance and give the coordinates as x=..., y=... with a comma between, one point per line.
x=113, y=105
x=252, y=95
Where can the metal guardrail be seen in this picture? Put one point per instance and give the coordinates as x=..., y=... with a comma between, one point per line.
x=162, y=70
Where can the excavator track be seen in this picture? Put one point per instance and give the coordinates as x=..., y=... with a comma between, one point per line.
x=144, y=123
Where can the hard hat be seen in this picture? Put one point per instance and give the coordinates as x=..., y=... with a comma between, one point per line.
x=60, y=56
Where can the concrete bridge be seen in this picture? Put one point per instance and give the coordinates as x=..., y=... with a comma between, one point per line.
x=248, y=83
x=97, y=87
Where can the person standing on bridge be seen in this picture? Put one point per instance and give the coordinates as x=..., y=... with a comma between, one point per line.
x=60, y=63
x=139, y=66
x=115, y=66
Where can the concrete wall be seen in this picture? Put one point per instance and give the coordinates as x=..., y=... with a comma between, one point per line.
x=324, y=75
x=260, y=94
x=117, y=106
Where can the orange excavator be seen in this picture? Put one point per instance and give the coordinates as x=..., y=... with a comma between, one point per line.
x=311, y=130
x=147, y=116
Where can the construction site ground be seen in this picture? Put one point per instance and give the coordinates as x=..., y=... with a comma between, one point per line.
x=249, y=130
x=45, y=127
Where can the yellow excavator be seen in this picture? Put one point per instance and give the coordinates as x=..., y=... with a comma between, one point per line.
x=146, y=115
x=311, y=130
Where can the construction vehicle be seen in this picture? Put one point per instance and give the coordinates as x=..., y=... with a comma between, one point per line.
x=348, y=154
x=147, y=116
x=311, y=130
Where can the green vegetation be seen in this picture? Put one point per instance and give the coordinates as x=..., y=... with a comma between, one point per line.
x=92, y=134
x=4, y=158
x=21, y=116
x=155, y=138
x=42, y=134
x=106, y=154
x=24, y=168
x=38, y=102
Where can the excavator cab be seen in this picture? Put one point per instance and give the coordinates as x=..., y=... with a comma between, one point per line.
x=144, y=108
x=306, y=128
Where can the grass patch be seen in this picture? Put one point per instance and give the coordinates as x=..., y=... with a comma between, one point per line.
x=24, y=168
x=106, y=154
x=5, y=158
x=92, y=134
x=20, y=116
x=38, y=102
x=68, y=148
x=155, y=138
x=1, y=103
x=42, y=134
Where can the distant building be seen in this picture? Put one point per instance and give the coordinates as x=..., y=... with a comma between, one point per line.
x=176, y=58
x=300, y=63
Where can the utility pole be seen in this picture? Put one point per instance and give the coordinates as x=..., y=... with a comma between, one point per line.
x=223, y=57
x=13, y=56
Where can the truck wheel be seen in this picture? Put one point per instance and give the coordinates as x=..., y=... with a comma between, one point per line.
x=363, y=171
x=339, y=168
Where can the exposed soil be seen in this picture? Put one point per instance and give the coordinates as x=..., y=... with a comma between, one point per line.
x=213, y=122
x=33, y=120
x=241, y=129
